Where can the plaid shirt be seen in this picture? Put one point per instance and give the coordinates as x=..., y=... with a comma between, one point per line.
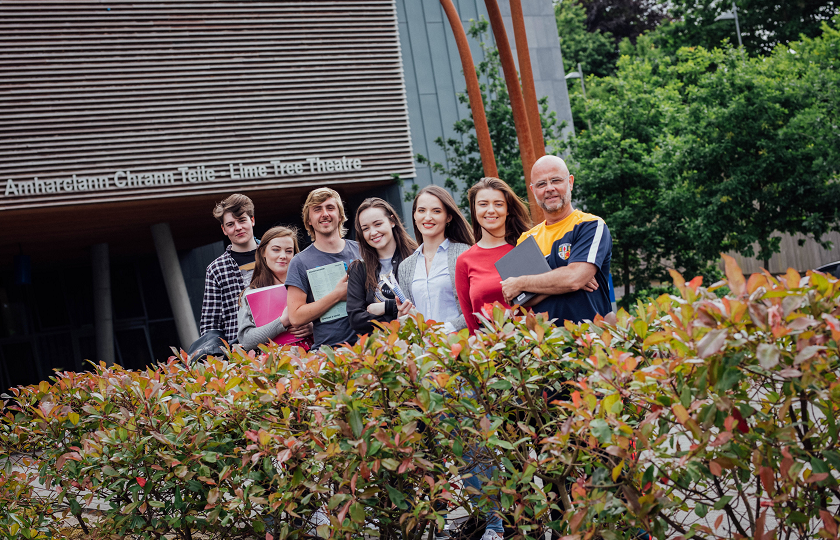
x=223, y=284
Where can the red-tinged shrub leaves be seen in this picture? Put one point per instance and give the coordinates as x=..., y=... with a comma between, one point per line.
x=642, y=420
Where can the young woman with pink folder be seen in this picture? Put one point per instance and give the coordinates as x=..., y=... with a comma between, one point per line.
x=277, y=247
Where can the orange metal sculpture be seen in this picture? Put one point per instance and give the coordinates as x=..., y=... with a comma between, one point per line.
x=517, y=102
x=527, y=77
x=525, y=108
x=485, y=145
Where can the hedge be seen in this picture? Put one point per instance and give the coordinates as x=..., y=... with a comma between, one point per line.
x=690, y=416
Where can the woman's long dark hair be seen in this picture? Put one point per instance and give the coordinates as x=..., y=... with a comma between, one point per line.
x=405, y=245
x=457, y=229
x=263, y=276
x=518, y=218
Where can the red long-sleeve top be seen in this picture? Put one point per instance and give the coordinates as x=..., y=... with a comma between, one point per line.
x=477, y=281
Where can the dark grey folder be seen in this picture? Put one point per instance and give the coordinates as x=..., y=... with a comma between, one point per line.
x=526, y=259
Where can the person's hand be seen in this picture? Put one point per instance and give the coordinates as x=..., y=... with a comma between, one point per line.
x=377, y=309
x=404, y=308
x=341, y=289
x=511, y=289
x=302, y=331
x=592, y=286
x=284, y=317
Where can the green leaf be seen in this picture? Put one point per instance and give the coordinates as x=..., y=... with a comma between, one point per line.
x=601, y=430
x=357, y=512
x=647, y=477
x=819, y=466
x=833, y=457
x=612, y=404
x=701, y=510
x=723, y=501
x=728, y=379
x=337, y=499
x=685, y=396
x=641, y=328
x=355, y=419
x=457, y=447
x=396, y=497
x=495, y=441
x=799, y=517
x=501, y=384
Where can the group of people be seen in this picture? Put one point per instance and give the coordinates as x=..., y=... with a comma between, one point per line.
x=449, y=277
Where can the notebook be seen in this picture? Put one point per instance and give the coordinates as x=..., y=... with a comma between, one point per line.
x=526, y=259
x=323, y=280
x=266, y=305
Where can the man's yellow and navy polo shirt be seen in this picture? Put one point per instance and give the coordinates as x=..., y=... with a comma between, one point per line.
x=581, y=237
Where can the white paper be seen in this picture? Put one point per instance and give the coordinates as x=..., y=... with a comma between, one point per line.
x=323, y=280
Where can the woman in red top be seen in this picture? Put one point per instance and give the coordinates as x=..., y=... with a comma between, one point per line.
x=499, y=217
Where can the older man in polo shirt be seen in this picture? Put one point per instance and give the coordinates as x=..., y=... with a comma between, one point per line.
x=576, y=245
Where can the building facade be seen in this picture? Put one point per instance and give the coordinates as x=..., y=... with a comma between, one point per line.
x=123, y=124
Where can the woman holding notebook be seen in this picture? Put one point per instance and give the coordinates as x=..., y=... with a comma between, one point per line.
x=427, y=276
x=277, y=247
x=499, y=218
x=383, y=245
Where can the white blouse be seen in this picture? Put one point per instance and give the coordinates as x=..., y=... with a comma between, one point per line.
x=433, y=294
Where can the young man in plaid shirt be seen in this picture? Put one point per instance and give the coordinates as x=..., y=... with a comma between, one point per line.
x=229, y=274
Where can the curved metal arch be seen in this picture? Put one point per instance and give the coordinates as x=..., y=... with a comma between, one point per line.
x=485, y=145
x=525, y=108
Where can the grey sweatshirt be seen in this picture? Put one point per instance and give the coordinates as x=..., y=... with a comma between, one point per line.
x=250, y=335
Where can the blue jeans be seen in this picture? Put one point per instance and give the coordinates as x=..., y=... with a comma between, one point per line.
x=494, y=520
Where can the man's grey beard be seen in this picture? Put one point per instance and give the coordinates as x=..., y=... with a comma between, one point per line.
x=564, y=200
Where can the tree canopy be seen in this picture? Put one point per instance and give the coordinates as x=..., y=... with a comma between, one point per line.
x=687, y=146
x=710, y=151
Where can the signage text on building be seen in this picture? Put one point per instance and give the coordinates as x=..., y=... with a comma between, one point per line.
x=181, y=175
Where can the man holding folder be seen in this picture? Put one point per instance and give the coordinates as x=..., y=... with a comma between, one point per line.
x=317, y=278
x=576, y=245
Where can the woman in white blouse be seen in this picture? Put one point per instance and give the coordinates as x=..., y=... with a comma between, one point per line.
x=427, y=276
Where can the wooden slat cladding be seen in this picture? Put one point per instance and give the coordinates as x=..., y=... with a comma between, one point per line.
x=114, y=101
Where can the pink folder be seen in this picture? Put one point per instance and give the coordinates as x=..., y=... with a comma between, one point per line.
x=266, y=305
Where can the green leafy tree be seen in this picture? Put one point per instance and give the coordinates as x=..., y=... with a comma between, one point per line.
x=618, y=176
x=623, y=18
x=595, y=50
x=764, y=23
x=743, y=141
x=463, y=165
x=710, y=151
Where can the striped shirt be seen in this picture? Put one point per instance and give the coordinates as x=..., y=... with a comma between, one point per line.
x=581, y=237
x=223, y=283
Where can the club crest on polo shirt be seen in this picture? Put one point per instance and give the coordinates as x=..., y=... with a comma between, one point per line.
x=564, y=250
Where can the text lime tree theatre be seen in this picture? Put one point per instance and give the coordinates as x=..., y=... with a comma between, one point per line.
x=122, y=179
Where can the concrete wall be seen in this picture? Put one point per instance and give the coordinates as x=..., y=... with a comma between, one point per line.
x=433, y=73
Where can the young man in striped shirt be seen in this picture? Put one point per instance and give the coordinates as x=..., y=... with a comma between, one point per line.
x=231, y=272
x=576, y=245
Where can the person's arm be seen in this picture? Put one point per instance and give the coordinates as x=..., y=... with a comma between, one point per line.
x=301, y=313
x=558, y=281
x=211, y=304
x=458, y=323
x=360, y=319
x=462, y=286
x=405, y=276
x=250, y=335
